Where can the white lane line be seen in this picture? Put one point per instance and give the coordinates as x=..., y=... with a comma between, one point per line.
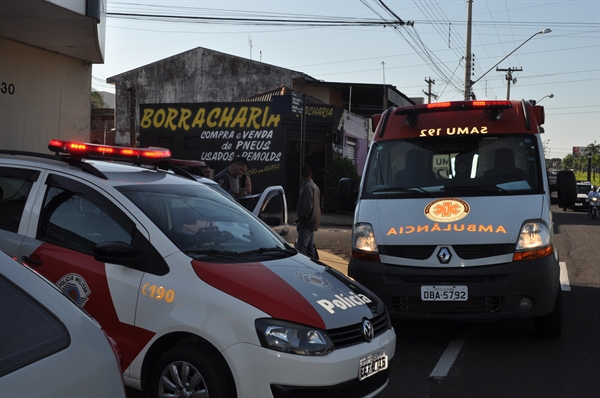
x=564, y=277
x=447, y=360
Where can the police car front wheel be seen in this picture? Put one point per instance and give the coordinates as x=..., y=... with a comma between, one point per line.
x=189, y=370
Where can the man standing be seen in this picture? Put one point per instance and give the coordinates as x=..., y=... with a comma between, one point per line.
x=309, y=214
x=229, y=178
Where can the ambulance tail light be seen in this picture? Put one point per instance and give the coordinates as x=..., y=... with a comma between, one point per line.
x=87, y=150
x=364, y=246
x=534, y=241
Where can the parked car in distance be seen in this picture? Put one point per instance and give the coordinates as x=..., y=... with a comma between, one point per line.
x=49, y=347
x=581, y=204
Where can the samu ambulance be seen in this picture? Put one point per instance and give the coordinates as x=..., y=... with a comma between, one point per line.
x=453, y=217
x=202, y=298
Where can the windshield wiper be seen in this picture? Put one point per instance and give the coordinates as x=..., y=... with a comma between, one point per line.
x=482, y=188
x=400, y=189
x=270, y=250
x=212, y=253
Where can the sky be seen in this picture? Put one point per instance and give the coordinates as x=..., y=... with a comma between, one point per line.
x=560, y=68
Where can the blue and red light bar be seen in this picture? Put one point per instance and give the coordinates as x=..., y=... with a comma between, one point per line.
x=87, y=150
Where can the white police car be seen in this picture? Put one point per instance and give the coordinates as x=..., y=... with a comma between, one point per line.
x=199, y=295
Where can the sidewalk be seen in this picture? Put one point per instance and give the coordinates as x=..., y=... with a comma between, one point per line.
x=334, y=261
x=337, y=220
x=331, y=220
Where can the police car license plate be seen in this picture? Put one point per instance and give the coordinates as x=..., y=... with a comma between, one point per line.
x=444, y=293
x=372, y=364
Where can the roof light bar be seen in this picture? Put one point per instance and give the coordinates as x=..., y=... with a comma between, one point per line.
x=87, y=150
x=454, y=106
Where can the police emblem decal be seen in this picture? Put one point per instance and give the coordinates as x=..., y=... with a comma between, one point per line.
x=75, y=287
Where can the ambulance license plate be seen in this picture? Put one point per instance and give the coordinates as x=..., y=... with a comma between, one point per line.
x=444, y=293
x=372, y=364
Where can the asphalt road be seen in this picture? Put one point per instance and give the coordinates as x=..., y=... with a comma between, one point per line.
x=504, y=360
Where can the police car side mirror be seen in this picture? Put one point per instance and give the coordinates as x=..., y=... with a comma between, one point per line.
x=566, y=186
x=347, y=194
x=116, y=253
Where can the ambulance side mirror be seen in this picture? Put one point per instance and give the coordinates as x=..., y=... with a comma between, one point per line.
x=566, y=187
x=347, y=194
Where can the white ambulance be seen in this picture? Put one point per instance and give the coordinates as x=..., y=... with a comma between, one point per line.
x=202, y=298
x=453, y=217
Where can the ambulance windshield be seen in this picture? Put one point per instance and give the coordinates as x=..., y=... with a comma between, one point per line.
x=446, y=166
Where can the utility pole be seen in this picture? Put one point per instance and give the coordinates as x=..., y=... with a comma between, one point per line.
x=468, y=82
x=509, y=78
x=428, y=93
x=385, y=100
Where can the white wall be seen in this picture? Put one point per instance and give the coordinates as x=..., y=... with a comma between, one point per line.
x=51, y=96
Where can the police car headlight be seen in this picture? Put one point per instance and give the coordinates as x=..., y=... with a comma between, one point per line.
x=292, y=338
x=534, y=241
x=363, y=238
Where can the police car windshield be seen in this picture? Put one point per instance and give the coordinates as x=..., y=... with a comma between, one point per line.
x=449, y=166
x=201, y=221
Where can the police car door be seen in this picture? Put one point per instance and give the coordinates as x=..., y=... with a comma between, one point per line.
x=75, y=219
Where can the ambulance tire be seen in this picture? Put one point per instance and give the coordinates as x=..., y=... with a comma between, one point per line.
x=550, y=326
x=192, y=360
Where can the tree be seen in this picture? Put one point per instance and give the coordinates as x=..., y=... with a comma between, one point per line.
x=97, y=100
x=340, y=168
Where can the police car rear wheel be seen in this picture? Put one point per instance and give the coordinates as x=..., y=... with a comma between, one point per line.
x=188, y=370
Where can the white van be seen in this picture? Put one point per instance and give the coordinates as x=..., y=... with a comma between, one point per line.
x=453, y=215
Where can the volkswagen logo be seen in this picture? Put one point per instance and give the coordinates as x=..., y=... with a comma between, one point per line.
x=444, y=255
x=368, y=331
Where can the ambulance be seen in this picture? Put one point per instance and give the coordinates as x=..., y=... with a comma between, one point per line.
x=453, y=216
x=201, y=296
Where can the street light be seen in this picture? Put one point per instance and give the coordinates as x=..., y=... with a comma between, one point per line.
x=549, y=96
x=542, y=32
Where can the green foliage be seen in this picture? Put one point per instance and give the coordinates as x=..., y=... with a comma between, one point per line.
x=340, y=168
x=97, y=100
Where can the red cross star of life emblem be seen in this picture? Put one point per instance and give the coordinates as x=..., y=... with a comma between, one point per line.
x=446, y=210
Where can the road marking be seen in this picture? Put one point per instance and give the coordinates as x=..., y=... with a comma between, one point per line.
x=447, y=360
x=564, y=277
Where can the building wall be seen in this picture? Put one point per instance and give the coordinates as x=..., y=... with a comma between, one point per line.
x=102, y=126
x=357, y=127
x=322, y=93
x=198, y=75
x=47, y=96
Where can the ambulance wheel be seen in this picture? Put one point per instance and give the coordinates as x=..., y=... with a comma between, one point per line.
x=189, y=370
x=550, y=326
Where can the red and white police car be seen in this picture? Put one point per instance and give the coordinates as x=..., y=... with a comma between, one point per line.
x=198, y=293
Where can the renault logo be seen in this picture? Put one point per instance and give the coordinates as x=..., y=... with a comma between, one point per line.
x=368, y=332
x=444, y=255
